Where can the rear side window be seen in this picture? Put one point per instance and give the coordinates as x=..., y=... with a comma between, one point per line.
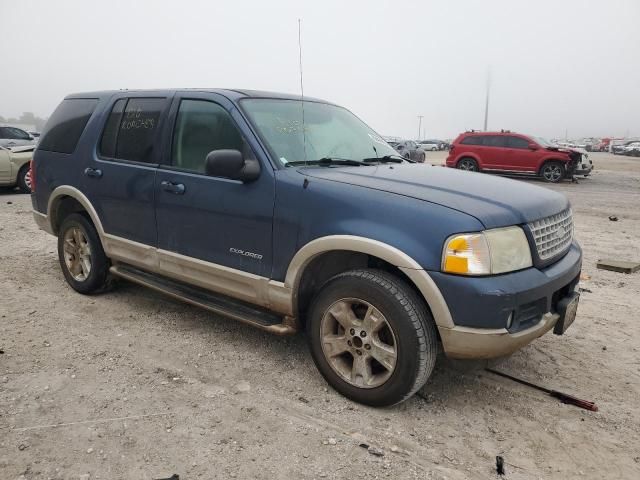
x=66, y=125
x=131, y=128
x=495, y=141
x=472, y=140
x=517, y=142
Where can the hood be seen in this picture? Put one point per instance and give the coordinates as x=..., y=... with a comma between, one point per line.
x=494, y=201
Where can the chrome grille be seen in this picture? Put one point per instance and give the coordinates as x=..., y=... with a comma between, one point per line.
x=552, y=234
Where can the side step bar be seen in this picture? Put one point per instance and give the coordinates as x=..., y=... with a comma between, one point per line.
x=220, y=304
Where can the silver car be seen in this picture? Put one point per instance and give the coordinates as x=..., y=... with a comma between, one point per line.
x=15, y=137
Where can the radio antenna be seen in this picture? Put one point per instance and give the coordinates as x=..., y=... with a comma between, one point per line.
x=304, y=133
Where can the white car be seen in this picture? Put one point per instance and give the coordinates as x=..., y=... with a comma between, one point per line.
x=15, y=137
x=429, y=146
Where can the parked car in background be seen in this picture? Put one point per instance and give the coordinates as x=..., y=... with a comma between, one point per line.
x=383, y=262
x=14, y=137
x=430, y=145
x=14, y=167
x=632, y=149
x=620, y=147
x=514, y=153
x=411, y=150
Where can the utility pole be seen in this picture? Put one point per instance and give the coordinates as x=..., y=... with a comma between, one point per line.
x=420, y=117
x=486, y=103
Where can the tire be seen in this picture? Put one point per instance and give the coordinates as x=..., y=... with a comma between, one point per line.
x=468, y=164
x=552, y=172
x=399, y=330
x=433, y=149
x=423, y=157
x=82, y=245
x=24, y=179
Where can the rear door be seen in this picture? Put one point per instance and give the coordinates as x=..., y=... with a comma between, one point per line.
x=224, y=222
x=493, y=152
x=120, y=180
x=518, y=156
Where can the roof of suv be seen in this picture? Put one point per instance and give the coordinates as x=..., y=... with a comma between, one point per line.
x=231, y=93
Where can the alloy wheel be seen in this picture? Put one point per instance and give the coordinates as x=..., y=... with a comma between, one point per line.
x=552, y=173
x=358, y=343
x=77, y=254
x=468, y=165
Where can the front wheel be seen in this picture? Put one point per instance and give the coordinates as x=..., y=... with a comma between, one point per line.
x=371, y=337
x=552, y=172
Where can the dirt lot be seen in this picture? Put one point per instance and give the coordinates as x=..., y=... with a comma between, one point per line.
x=133, y=385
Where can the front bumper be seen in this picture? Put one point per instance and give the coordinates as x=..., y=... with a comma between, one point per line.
x=583, y=168
x=482, y=306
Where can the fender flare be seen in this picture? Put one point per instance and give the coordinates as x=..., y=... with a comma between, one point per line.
x=69, y=191
x=412, y=269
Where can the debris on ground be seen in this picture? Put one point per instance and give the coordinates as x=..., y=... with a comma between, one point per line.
x=619, y=266
x=584, y=290
x=563, y=397
x=613, y=218
x=500, y=465
x=378, y=452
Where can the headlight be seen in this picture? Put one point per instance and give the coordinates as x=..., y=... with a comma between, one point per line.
x=490, y=252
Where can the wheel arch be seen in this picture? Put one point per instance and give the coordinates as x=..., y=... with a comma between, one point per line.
x=334, y=254
x=66, y=199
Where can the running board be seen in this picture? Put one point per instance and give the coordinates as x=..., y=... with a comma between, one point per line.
x=220, y=304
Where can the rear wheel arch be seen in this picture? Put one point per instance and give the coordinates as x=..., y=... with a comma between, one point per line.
x=66, y=200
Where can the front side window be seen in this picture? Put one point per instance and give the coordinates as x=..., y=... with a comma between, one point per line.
x=131, y=129
x=19, y=134
x=64, y=128
x=327, y=131
x=517, y=142
x=202, y=127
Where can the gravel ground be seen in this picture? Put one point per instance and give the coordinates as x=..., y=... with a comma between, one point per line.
x=133, y=385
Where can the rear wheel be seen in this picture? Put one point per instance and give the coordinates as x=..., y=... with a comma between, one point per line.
x=84, y=263
x=24, y=179
x=552, y=172
x=468, y=164
x=371, y=337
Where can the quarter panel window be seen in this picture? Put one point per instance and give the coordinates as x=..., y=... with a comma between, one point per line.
x=201, y=127
x=64, y=128
x=472, y=140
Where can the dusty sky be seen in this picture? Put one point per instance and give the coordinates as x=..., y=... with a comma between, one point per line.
x=556, y=65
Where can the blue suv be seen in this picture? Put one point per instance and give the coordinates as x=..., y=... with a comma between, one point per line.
x=291, y=214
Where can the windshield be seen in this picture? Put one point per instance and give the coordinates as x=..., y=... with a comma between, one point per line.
x=544, y=142
x=329, y=131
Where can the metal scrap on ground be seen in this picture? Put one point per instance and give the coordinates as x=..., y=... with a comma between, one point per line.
x=619, y=266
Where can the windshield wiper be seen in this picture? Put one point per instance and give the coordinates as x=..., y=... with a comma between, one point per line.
x=327, y=161
x=386, y=159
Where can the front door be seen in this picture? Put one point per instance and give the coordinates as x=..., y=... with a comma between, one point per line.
x=519, y=157
x=212, y=228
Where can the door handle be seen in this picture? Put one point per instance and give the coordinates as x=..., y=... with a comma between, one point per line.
x=93, y=172
x=175, y=188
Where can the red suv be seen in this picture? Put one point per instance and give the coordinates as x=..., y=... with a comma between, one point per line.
x=509, y=152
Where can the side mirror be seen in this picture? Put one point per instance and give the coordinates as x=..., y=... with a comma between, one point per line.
x=231, y=164
x=533, y=146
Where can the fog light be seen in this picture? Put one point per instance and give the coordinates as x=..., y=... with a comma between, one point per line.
x=509, y=320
